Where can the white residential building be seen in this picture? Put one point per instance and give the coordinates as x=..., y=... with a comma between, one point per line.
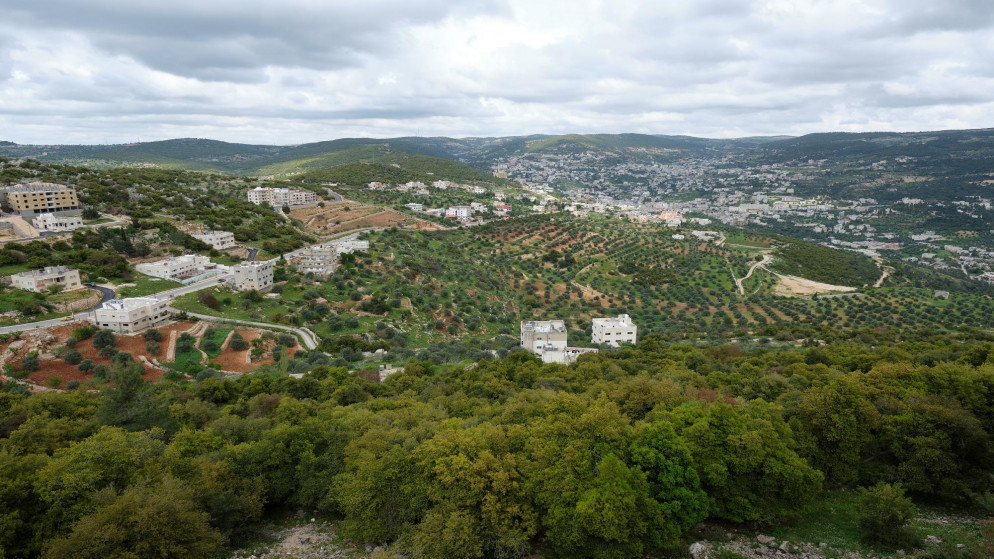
x=320, y=260
x=254, y=275
x=127, y=316
x=278, y=197
x=460, y=212
x=41, y=280
x=414, y=206
x=347, y=246
x=614, y=331
x=221, y=240
x=547, y=339
x=53, y=222
x=176, y=267
x=541, y=336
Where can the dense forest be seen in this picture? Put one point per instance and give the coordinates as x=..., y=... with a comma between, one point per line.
x=619, y=455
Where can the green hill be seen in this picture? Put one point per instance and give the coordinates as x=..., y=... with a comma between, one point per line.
x=384, y=165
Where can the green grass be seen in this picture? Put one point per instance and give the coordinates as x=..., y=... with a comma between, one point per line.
x=831, y=519
x=185, y=359
x=98, y=221
x=145, y=285
x=219, y=335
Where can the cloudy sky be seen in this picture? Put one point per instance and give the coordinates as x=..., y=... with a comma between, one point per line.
x=260, y=71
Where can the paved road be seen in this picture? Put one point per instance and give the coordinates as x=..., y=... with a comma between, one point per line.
x=212, y=281
x=108, y=294
x=308, y=337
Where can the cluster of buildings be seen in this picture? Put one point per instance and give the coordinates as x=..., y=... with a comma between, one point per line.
x=279, y=197
x=548, y=338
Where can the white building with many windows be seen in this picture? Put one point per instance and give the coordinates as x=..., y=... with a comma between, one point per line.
x=53, y=222
x=43, y=280
x=614, y=330
x=254, y=275
x=127, y=316
x=279, y=197
x=176, y=267
x=221, y=240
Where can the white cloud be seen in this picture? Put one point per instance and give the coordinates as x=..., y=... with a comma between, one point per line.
x=110, y=70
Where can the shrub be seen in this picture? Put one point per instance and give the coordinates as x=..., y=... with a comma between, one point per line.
x=85, y=365
x=152, y=335
x=71, y=342
x=104, y=338
x=82, y=332
x=100, y=372
x=108, y=351
x=238, y=343
x=209, y=345
x=287, y=340
x=208, y=299
x=73, y=385
x=73, y=357
x=30, y=362
x=53, y=382
x=152, y=347
x=884, y=514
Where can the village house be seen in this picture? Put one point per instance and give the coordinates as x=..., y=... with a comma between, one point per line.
x=44, y=279
x=614, y=330
x=221, y=240
x=176, y=267
x=53, y=222
x=254, y=275
x=127, y=316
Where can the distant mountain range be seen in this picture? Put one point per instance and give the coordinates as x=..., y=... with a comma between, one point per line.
x=483, y=153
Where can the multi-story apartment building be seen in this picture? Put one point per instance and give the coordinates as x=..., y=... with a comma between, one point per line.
x=40, y=197
x=614, y=330
x=127, y=316
x=42, y=280
x=278, y=197
x=540, y=335
x=320, y=260
x=52, y=222
x=254, y=275
x=221, y=240
x=177, y=267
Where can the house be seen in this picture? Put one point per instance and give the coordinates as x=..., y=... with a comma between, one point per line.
x=254, y=275
x=538, y=336
x=221, y=240
x=43, y=280
x=176, y=267
x=348, y=246
x=127, y=316
x=53, y=222
x=415, y=207
x=614, y=331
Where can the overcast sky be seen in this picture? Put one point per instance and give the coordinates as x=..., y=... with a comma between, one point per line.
x=293, y=71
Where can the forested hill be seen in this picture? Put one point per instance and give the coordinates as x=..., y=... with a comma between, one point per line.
x=620, y=455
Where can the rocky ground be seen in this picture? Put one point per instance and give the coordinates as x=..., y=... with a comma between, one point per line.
x=306, y=540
